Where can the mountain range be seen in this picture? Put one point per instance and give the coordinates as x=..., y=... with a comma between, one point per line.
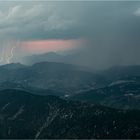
x=69, y=58
x=24, y=115
x=117, y=87
x=51, y=100
x=61, y=77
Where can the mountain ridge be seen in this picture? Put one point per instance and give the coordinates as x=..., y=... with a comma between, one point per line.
x=24, y=115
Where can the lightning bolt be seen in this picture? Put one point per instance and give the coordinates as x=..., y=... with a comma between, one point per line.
x=7, y=51
x=9, y=58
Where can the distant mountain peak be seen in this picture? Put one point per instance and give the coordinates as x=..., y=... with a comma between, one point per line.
x=50, y=53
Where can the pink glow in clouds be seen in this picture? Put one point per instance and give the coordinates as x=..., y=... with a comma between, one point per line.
x=41, y=46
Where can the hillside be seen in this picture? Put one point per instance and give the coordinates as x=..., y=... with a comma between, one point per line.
x=119, y=94
x=24, y=115
x=50, y=75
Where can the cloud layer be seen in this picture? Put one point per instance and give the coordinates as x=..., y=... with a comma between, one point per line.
x=33, y=20
x=110, y=28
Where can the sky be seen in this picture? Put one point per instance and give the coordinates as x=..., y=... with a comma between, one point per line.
x=106, y=33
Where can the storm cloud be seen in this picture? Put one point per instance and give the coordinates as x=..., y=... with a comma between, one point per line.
x=111, y=29
x=40, y=20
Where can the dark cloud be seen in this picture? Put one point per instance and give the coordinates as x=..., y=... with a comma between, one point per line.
x=113, y=32
x=111, y=28
x=42, y=20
